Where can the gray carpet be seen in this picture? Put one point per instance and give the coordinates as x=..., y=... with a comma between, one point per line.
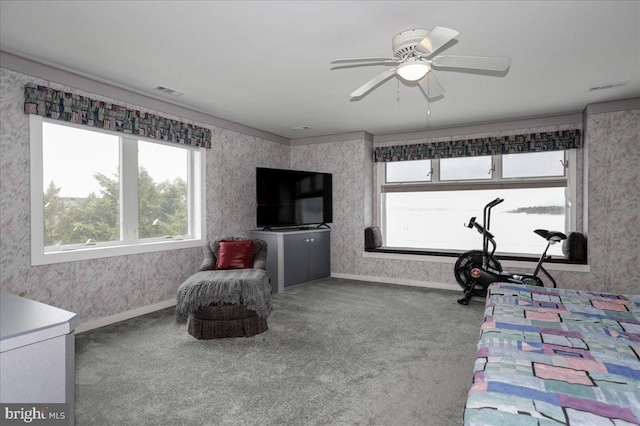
x=337, y=352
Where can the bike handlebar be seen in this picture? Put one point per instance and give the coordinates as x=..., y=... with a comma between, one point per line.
x=495, y=202
x=471, y=223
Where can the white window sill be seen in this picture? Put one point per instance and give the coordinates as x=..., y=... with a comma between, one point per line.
x=570, y=267
x=97, y=252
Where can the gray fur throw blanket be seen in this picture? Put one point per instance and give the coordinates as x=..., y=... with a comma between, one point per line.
x=248, y=287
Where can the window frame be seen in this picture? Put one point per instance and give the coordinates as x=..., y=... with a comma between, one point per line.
x=129, y=242
x=569, y=181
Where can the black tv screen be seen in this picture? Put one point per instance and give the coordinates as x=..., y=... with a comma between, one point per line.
x=293, y=198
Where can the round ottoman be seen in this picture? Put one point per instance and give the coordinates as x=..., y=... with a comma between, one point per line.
x=220, y=321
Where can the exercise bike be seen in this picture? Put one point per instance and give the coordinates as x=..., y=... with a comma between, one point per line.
x=475, y=270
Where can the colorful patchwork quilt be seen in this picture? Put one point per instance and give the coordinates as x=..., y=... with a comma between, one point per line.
x=556, y=357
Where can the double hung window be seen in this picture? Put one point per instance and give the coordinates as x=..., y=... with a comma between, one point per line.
x=98, y=193
x=426, y=203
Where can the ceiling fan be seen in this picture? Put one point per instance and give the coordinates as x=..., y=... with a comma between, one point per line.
x=413, y=60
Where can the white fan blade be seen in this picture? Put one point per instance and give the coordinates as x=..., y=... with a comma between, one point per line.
x=472, y=62
x=373, y=82
x=431, y=86
x=345, y=60
x=437, y=38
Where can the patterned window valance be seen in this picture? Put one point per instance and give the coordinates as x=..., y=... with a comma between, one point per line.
x=533, y=142
x=56, y=104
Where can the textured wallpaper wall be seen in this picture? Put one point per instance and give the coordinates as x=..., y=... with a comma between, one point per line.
x=350, y=163
x=613, y=146
x=103, y=287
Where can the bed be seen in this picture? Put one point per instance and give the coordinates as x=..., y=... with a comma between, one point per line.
x=556, y=357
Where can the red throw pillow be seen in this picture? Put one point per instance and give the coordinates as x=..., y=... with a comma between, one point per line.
x=235, y=254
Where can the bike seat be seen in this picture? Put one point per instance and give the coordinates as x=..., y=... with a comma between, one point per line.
x=551, y=235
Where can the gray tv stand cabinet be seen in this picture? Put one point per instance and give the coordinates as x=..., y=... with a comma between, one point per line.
x=296, y=256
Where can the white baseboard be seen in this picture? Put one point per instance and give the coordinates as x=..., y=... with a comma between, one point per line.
x=101, y=322
x=400, y=281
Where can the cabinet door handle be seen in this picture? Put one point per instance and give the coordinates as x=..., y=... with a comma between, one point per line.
x=310, y=240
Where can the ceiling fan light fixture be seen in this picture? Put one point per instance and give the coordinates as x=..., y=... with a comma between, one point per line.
x=413, y=70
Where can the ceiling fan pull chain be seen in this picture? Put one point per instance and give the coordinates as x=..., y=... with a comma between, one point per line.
x=398, y=91
x=428, y=102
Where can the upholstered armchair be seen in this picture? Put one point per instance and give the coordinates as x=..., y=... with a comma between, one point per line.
x=230, y=295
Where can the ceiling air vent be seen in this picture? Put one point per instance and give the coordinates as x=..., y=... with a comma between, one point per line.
x=300, y=128
x=169, y=91
x=608, y=86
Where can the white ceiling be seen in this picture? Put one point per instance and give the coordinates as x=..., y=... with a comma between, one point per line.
x=266, y=64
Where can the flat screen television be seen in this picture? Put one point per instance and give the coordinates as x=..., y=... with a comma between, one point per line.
x=293, y=198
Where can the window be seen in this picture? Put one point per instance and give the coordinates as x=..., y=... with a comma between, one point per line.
x=430, y=213
x=81, y=203
x=409, y=171
x=162, y=190
x=98, y=193
x=465, y=168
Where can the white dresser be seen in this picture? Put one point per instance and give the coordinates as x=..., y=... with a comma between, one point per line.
x=37, y=352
